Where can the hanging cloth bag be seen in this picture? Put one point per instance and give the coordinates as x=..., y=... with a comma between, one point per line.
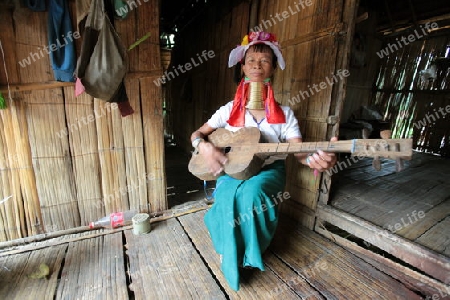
x=103, y=61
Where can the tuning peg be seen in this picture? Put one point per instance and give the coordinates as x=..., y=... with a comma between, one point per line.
x=376, y=163
x=399, y=166
x=386, y=134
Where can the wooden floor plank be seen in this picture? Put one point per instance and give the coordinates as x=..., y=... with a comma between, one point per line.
x=438, y=238
x=258, y=285
x=292, y=279
x=165, y=265
x=94, y=269
x=332, y=270
x=15, y=269
x=431, y=218
x=11, y=270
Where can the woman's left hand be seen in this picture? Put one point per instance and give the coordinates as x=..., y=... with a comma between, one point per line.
x=322, y=161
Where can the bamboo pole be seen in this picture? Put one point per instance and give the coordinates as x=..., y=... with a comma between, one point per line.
x=155, y=217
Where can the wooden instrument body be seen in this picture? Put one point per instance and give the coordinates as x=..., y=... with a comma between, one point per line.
x=239, y=148
x=246, y=155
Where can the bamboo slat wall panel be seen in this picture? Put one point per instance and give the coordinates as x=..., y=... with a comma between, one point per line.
x=112, y=158
x=154, y=143
x=412, y=105
x=149, y=56
x=19, y=211
x=51, y=159
x=134, y=150
x=7, y=34
x=434, y=137
x=69, y=160
x=127, y=31
x=82, y=136
x=29, y=44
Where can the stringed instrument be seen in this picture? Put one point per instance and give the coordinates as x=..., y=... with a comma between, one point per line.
x=246, y=154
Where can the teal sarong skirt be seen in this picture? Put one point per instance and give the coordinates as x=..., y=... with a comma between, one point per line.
x=244, y=217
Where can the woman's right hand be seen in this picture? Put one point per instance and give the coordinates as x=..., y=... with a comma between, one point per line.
x=214, y=158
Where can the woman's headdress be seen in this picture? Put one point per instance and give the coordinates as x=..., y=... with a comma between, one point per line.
x=274, y=113
x=256, y=37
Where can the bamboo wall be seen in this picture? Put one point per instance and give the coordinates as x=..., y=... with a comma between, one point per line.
x=417, y=108
x=66, y=160
x=195, y=95
x=363, y=65
x=390, y=79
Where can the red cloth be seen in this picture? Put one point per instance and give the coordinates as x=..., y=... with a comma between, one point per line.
x=125, y=108
x=79, y=87
x=274, y=113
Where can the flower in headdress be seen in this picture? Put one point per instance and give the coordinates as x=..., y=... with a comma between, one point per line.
x=244, y=41
x=262, y=36
x=256, y=37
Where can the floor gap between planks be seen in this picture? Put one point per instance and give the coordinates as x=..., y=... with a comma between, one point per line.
x=204, y=260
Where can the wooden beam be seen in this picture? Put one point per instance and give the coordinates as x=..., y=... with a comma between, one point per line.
x=35, y=86
x=403, y=25
x=432, y=92
x=430, y=262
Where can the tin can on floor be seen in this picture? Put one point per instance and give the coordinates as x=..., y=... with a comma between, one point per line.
x=141, y=224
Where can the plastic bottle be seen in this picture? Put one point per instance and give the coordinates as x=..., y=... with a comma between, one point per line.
x=115, y=219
